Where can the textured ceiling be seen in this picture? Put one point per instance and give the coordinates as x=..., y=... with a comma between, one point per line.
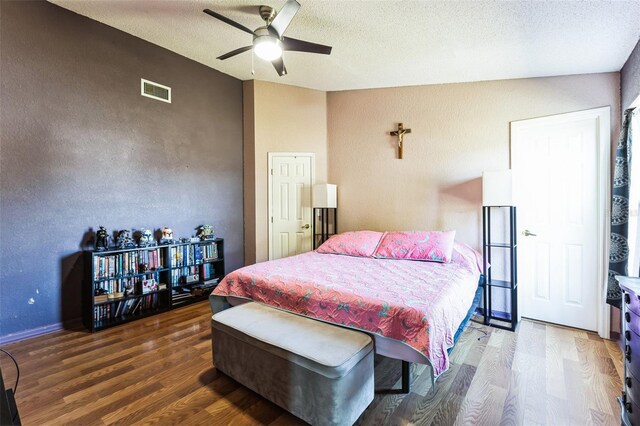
x=392, y=43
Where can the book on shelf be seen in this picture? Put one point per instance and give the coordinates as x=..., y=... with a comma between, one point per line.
x=210, y=251
x=137, y=305
x=127, y=263
x=127, y=306
x=211, y=282
x=208, y=271
x=182, y=297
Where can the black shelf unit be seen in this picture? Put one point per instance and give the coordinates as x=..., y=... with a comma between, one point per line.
x=325, y=224
x=120, y=274
x=511, y=283
x=210, y=271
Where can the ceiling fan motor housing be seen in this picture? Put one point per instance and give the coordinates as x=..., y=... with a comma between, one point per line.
x=265, y=32
x=267, y=13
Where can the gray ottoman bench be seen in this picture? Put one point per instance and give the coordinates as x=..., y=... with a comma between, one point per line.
x=319, y=372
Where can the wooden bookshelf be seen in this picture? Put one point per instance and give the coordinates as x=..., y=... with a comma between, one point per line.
x=185, y=273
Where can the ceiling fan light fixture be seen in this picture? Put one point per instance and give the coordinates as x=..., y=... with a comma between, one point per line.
x=267, y=47
x=269, y=41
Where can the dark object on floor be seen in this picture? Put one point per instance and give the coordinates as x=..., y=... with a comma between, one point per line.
x=9, y=415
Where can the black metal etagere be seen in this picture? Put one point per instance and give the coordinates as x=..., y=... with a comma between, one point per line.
x=510, y=284
x=325, y=224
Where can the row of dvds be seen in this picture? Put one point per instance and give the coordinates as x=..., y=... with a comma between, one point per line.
x=117, y=285
x=188, y=255
x=124, y=307
x=208, y=271
x=185, y=255
x=178, y=275
x=209, y=251
x=128, y=263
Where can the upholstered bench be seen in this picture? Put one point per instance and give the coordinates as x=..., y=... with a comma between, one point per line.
x=319, y=372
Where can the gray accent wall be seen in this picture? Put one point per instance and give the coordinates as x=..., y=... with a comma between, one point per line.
x=79, y=147
x=630, y=79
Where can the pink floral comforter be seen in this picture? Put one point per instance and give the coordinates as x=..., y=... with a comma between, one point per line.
x=419, y=303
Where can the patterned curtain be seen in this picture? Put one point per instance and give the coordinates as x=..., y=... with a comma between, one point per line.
x=619, y=247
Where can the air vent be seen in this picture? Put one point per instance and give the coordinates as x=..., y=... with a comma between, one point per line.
x=155, y=91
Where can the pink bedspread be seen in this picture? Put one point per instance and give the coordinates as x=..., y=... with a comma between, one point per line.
x=419, y=303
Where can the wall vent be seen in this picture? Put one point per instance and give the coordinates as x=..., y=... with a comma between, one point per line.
x=155, y=91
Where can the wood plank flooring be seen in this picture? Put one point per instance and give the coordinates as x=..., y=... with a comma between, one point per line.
x=159, y=371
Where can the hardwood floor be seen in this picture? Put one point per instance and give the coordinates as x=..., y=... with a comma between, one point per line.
x=159, y=371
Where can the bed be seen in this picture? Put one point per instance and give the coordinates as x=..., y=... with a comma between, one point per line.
x=414, y=310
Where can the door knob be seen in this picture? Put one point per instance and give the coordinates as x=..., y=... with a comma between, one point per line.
x=306, y=226
x=528, y=233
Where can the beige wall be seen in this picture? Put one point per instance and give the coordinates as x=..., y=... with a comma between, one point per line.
x=458, y=130
x=278, y=118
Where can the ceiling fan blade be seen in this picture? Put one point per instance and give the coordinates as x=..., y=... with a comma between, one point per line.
x=278, y=64
x=284, y=17
x=227, y=21
x=296, y=45
x=234, y=52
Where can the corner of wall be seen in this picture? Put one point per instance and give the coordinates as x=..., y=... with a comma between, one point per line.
x=302, y=113
x=249, y=173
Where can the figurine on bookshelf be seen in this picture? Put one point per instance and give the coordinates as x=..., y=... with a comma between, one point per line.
x=102, y=239
x=145, y=238
x=205, y=232
x=129, y=289
x=123, y=239
x=167, y=236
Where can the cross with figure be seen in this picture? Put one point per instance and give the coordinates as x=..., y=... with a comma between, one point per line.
x=400, y=134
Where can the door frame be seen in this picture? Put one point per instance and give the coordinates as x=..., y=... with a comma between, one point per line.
x=603, y=120
x=270, y=157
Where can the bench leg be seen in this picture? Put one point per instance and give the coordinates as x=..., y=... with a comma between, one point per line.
x=406, y=377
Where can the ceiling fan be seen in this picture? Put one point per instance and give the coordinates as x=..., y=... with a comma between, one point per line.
x=269, y=41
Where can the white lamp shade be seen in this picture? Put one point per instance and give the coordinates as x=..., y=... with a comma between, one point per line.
x=325, y=195
x=497, y=188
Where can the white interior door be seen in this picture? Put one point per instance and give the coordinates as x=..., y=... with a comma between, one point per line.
x=291, y=180
x=556, y=171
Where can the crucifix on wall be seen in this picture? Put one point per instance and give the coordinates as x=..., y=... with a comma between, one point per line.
x=400, y=134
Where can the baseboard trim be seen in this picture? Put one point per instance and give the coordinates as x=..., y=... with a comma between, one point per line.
x=39, y=331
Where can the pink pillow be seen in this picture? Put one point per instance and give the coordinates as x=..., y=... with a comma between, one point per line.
x=357, y=243
x=434, y=246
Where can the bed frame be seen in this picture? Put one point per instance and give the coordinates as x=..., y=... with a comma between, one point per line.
x=406, y=375
x=390, y=348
